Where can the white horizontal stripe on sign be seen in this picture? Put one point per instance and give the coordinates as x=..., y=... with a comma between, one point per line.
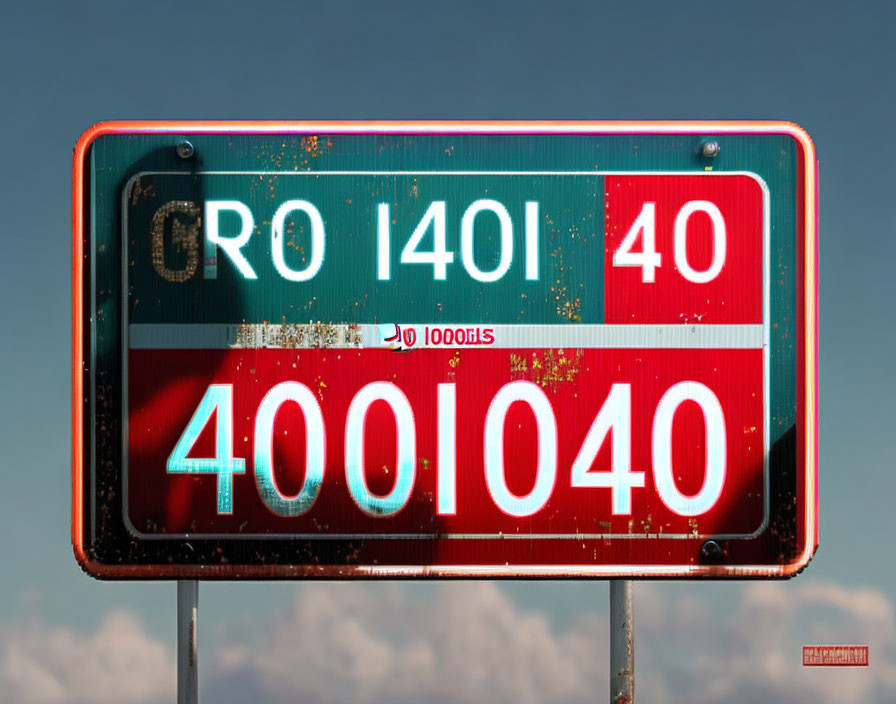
x=454, y=336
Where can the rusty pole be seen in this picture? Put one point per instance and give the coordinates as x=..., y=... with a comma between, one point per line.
x=187, y=664
x=622, y=642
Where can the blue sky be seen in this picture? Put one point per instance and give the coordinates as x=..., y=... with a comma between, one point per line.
x=824, y=65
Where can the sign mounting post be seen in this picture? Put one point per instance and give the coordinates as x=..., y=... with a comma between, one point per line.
x=187, y=641
x=622, y=642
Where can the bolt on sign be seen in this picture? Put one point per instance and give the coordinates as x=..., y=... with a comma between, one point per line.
x=444, y=349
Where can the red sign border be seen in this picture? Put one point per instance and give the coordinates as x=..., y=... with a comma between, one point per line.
x=807, y=362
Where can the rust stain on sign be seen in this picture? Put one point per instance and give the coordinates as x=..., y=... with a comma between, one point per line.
x=297, y=336
x=547, y=368
x=138, y=191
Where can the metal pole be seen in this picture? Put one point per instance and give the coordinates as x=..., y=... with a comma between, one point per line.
x=187, y=663
x=622, y=642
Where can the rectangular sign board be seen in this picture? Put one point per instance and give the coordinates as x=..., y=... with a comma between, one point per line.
x=444, y=349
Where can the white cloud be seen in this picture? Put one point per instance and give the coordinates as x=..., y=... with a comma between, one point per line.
x=752, y=650
x=117, y=663
x=375, y=643
x=469, y=642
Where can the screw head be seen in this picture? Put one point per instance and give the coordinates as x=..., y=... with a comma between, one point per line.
x=185, y=150
x=711, y=552
x=711, y=149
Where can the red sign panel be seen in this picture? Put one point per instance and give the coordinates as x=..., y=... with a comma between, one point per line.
x=457, y=440
x=705, y=265
x=835, y=656
x=547, y=373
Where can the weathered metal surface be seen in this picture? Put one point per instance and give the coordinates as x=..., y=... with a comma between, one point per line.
x=250, y=289
x=187, y=642
x=622, y=642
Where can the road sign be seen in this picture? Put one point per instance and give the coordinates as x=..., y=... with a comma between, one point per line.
x=444, y=349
